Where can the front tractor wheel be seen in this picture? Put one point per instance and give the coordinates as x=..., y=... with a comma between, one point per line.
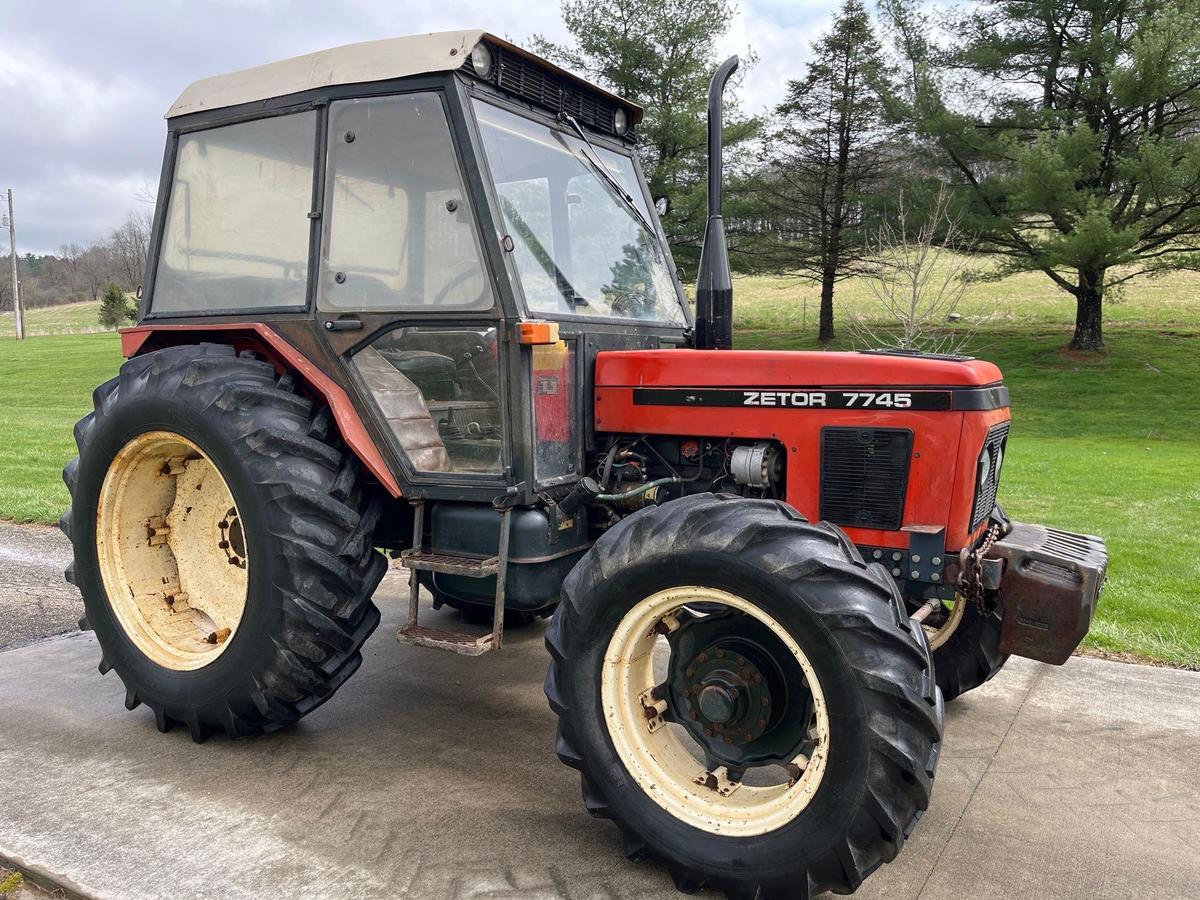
x=965, y=640
x=744, y=697
x=222, y=542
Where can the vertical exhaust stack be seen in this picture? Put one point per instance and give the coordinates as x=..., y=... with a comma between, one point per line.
x=714, y=286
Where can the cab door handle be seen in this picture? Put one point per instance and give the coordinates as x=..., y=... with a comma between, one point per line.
x=345, y=323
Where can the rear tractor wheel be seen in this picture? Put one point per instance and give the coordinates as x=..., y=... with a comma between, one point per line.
x=222, y=542
x=744, y=697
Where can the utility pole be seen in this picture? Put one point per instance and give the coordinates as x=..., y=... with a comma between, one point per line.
x=18, y=313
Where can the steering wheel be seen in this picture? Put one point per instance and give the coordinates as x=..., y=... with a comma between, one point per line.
x=469, y=270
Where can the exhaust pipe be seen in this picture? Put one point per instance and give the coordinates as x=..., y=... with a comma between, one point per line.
x=714, y=286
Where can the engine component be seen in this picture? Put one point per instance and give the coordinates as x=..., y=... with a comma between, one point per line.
x=753, y=464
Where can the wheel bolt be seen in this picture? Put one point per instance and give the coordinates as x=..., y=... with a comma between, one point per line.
x=708, y=732
x=720, y=654
x=691, y=673
x=762, y=723
x=741, y=660
x=766, y=701
x=224, y=545
x=703, y=657
x=695, y=715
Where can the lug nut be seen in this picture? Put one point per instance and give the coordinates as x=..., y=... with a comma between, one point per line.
x=703, y=657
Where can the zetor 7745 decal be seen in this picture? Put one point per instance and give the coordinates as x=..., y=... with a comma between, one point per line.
x=412, y=298
x=797, y=399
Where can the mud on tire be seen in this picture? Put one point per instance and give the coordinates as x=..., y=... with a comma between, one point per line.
x=873, y=664
x=308, y=524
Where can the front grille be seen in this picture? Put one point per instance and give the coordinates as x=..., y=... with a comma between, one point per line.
x=985, y=494
x=514, y=73
x=864, y=476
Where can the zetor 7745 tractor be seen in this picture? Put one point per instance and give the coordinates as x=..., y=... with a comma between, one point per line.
x=412, y=297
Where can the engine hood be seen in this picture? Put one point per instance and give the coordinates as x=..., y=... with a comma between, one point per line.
x=788, y=368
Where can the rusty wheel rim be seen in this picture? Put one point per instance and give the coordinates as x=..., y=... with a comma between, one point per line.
x=656, y=749
x=172, y=551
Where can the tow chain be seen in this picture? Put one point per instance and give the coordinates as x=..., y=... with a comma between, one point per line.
x=971, y=582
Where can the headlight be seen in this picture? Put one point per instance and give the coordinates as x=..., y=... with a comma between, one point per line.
x=620, y=121
x=985, y=469
x=481, y=60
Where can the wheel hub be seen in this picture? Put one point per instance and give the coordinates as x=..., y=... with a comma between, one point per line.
x=730, y=688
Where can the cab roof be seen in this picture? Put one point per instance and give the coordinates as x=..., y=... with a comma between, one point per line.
x=368, y=61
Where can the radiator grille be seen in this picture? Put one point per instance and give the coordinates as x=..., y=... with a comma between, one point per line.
x=864, y=476
x=525, y=78
x=985, y=494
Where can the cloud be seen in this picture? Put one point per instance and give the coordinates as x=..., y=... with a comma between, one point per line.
x=84, y=85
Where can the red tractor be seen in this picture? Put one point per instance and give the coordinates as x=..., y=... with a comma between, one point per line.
x=412, y=297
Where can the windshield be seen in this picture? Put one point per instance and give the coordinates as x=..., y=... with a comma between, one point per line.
x=581, y=240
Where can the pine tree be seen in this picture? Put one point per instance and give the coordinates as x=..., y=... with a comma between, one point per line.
x=1075, y=129
x=827, y=158
x=115, y=308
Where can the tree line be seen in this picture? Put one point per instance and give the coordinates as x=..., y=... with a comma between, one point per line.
x=1060, y=136
x=1055, y=136
x=81, y=271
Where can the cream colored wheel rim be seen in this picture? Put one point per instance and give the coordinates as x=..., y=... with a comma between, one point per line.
x=657, y=757
x=172, y=551
x=940, y=634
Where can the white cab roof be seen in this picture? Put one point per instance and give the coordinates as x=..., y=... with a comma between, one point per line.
x=368, y=61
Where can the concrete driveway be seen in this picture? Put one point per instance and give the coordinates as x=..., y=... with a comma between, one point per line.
x=433, y=776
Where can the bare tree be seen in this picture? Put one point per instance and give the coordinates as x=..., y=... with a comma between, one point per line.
x=918, y=281
x=130, y=245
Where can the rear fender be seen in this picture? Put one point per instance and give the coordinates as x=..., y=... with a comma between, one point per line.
x=286, y=358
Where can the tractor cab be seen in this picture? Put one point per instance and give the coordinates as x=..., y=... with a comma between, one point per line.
x=400, y=211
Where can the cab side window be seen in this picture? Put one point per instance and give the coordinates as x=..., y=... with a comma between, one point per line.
x=398, y=226
x=237, y=226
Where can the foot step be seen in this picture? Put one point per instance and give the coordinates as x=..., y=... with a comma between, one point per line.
x=450, y=565
x=440, y=639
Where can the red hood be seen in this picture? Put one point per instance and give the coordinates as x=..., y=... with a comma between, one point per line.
x=784, y=368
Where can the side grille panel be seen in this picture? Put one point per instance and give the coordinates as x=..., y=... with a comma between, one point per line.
x=864, y=476
x=985, y=499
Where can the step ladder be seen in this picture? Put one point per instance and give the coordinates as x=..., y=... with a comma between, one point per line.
x=418, y=559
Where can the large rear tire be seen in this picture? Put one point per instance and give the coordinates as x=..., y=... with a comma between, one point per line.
x=222, y=542
x=818, y=639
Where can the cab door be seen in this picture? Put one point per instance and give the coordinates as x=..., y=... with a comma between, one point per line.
x=402, y=267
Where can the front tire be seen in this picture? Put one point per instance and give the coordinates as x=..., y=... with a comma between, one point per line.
x=818, y=638
x=222, y=542
x=966, y=647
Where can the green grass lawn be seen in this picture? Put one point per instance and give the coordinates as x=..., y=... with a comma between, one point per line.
x=1107, y=444
x=45, y=388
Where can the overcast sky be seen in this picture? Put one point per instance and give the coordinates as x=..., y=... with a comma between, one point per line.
x=84, y=84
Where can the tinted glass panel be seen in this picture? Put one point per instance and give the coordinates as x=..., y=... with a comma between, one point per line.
x=399, y=233
x=237, y=228
x=439, y=390
x=584, y=242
